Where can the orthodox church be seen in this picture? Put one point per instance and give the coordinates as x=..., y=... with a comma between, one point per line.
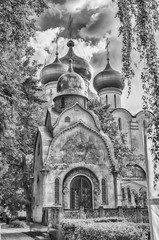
x=74, y=162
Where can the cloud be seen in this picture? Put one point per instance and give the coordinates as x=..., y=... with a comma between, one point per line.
x=91, y=19
x=102, y=22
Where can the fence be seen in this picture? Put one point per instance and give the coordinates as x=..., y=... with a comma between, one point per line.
x=54, y=214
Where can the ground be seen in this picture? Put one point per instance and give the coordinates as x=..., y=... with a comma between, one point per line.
x=27, y=233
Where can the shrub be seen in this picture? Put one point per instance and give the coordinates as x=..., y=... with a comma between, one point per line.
x=90, y=230
x=17, y=224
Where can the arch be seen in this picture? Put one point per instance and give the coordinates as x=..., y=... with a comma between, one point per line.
x=102, y=136
x=80, y=171
x=80, y=192
x=124, y=111
x=134, y=171
x=77, y=105
x=57, y=191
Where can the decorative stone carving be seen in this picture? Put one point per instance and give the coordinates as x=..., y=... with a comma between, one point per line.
x=133, y=171
x=80, y=171
x=78, y=148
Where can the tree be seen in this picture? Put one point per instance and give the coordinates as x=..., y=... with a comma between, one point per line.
x=19, y=100
x=123, y=154
x=141, y=37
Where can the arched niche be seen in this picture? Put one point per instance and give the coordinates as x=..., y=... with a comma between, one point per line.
x=84, y=173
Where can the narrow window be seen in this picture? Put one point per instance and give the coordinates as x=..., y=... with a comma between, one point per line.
x=104, y=191
x=38, y=149
x=62, y=102
x=67, y=119
x=115, y=101
x=50, y=93
x=119, y=124
x=129, y=195
x=106, y=99
x=123, y=194
x=57, y=197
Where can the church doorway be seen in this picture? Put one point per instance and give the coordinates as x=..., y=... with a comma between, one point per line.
x=81, y=193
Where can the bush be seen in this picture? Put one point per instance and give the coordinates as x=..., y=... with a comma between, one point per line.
x=17, y=224
x=90, y=229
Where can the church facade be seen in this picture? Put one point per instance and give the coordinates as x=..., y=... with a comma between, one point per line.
x=74, y=162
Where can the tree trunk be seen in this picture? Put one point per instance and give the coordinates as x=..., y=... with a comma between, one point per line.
x=28, y=212
x=27, y=191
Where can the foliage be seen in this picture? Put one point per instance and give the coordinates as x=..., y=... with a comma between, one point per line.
x=18, y=100
x=122, y=153
x=141, y=34
x=90, y=230
x=17, y=224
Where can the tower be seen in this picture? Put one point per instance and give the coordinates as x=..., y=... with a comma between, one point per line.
x=71, y=89
x=109, y=85
x=80, y=65
x=49, y=76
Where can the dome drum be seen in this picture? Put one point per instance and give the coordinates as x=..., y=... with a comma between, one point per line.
x=65, y=101
x=70, y=89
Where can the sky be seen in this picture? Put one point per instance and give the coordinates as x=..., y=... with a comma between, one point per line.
x=93, y=22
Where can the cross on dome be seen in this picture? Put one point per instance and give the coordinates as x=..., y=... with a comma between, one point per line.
x=70, y=26
x=107, y=47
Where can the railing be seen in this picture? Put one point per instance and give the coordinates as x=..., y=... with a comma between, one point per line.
x=53, y=215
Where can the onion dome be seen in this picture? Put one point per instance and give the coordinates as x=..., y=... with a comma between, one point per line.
x=108, y=78
x=80, y=65
x=51, y=72
x=70, y=83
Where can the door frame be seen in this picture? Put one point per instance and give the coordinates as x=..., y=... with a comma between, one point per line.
x=80, y=176
x=80, y=171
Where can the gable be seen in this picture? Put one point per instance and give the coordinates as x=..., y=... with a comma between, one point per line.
x=79, y=143
x=73, y=115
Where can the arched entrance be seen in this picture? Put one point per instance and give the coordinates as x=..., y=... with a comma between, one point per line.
x=80, y=192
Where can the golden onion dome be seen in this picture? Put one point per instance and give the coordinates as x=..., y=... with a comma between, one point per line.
x=70, y=83
x=80, y=65
x=108, y=78
x=51, y=72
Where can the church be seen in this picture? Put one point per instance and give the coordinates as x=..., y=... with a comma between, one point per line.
x=74, y=162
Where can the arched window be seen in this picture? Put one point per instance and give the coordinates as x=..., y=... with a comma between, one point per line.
x=57, y=193
x=129, y=194
x=119, y=124
x=106, y=99
x=123, y=194
x=62, y=102
x=115, y=101
x=104, y=191
x=67, y=119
